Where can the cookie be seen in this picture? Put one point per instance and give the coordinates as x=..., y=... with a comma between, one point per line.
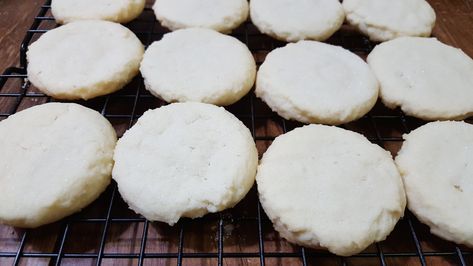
x=383, y=20
x=313, y=82
x=223, y=16
x=55, y=159
x=436, y=163
x=424, y=77
x=198, y=65
x=326, y=187
x=292, y=21
x=84, y=59
x=185, y=160
x=121, y=11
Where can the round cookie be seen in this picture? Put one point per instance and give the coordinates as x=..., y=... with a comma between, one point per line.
x=121, y=11
x=55, y=159
x=383, y=20
x=84, y=59
x=198, y=65
x=436, y=163
x=185, y=160
x=222, y=16
x=426, y=78
x=313, y=82
x=292, y=21
x=326, y=187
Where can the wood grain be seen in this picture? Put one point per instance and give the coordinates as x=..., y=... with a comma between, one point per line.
x=16, y=17
x=454, y=26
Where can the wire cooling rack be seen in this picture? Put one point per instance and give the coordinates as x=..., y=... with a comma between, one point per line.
x=108, y=233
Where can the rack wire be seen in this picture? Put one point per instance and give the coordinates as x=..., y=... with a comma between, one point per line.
x=108, y=233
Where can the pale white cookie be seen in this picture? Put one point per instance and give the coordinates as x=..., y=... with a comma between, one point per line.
x=383, y=20
x=84, y=59
x=121, y=11
x=426, y=78
x=436, y=163
x=326, y=187
x=219, y=15
x=55, y=159
x=198, y=65
x=185, y=160
x=291, y=21
x=313, y=82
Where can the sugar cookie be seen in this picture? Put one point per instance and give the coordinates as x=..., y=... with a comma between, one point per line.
x=84, y=59
x=292, y=21
x=314, y=82
x=436, y=163
x=223, y=16
x=185, y=160
x=384, y=20
x=198, y=65
x=326, y=187
x=55, y=159
x=121, y=11
x=426, y=78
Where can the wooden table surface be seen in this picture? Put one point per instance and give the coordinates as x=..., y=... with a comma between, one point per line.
x=454, y=26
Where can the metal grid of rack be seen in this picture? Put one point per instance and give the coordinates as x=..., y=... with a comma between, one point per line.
x=241, y=236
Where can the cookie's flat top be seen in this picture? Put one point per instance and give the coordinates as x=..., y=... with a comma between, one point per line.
x=185, y=160
x=121, y=11
x=198, y=65
x=313, y=82
x=84, y=59
x=436, y=162
x=383, y=20
x=292, y=21
x=426, y=78
x=55, y=159
x=223, y=16
x=329, y=187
